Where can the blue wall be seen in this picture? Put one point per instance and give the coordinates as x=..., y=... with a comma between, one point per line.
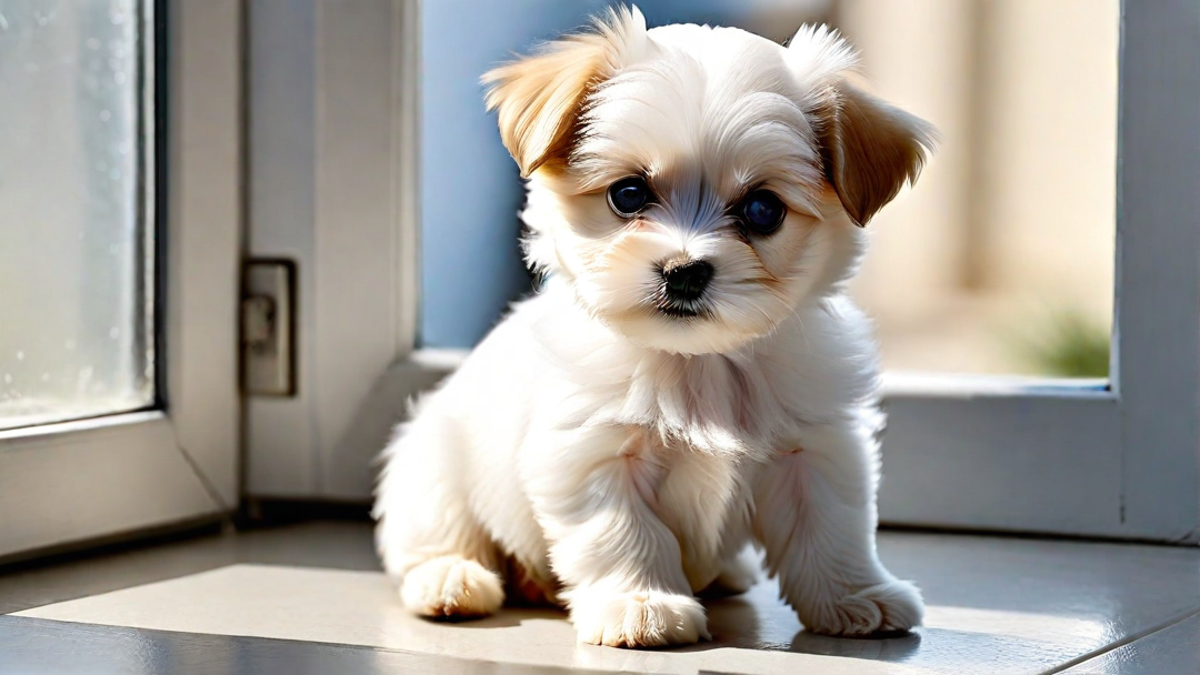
x=471, y=192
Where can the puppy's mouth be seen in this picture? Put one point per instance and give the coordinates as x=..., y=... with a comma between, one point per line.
x=681, y=309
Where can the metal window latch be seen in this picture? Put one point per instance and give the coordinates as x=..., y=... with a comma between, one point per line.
x=268, y=328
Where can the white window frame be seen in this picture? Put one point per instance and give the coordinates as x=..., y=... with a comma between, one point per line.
x=62, y=484
x=331, y=149
x=1119, y=460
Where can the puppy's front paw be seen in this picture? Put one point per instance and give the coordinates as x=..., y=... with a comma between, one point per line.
x=889, y=606
x=451, y=587
x=638, y=619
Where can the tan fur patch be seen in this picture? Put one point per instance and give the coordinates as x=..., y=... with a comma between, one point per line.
x=870, y=149
x=539, y=97
x=525, y=587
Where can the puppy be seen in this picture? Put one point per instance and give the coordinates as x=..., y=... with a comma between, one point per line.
x=692, y=378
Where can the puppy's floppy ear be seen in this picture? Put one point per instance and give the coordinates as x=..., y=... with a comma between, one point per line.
x=869, y=148
x=539, y=97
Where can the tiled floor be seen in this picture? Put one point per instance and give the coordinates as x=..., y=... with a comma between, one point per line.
x=996, y=605
x=35, y=647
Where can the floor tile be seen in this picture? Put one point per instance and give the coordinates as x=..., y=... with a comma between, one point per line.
x=1175, y=650
x=331, y=544
x=35, y=647
x=359, y=608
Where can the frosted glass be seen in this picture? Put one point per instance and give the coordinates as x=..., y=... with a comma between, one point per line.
x=75, y=255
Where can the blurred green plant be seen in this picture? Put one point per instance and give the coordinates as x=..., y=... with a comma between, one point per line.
x=1066, y=344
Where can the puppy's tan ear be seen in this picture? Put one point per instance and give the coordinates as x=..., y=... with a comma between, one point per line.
x=539, y=97
x=869, y=148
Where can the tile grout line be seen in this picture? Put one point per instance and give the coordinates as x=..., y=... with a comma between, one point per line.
x=1130, y=639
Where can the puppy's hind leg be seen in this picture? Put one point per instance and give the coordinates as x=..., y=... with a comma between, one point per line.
x=431, y=543
x=739, y=571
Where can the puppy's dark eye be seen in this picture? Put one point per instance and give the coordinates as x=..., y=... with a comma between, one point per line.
x=762, y=212
x=628, y=196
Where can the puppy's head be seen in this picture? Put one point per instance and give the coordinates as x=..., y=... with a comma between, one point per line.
x=694, y=185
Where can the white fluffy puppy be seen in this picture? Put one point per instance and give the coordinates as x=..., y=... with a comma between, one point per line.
x=692, y=378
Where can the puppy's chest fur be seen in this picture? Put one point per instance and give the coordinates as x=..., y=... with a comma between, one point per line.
x=699, y=428
x=695, y=430
x=748, y=403
x=741, y=407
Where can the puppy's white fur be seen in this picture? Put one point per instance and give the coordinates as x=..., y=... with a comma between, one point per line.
x=597, y=451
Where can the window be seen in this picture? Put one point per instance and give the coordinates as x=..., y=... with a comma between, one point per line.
x=77, y=252
x=1115, y=457
x=1001, y=261
x=119, y=236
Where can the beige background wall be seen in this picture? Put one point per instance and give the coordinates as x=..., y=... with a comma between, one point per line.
x=1013, y=221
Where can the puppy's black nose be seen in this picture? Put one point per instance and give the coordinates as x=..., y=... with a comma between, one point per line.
x=687, y=280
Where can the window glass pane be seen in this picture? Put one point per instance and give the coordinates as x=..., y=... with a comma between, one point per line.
x=75, y=266
x=1001, y=260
